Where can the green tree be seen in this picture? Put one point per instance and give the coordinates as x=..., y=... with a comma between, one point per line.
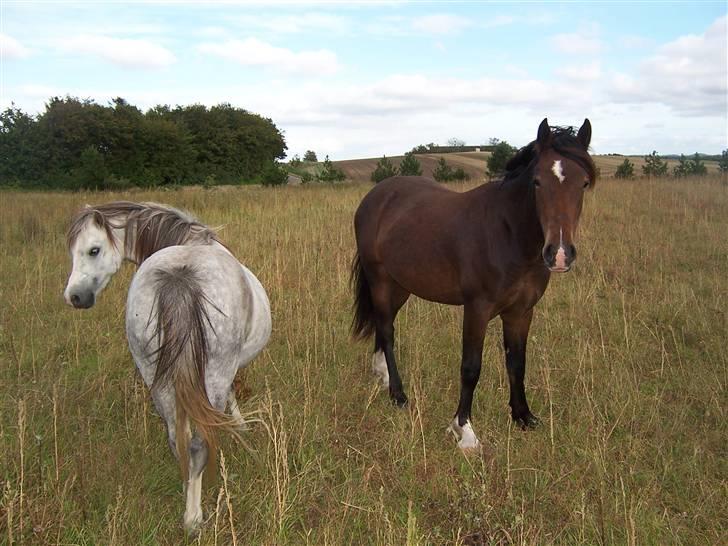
x=91, y=171
x=497, y=160
x=625, y=170
x=654, y=165
x=410, y=165
x=329, y=173
x=723, y=162
x=696, y=166
x=384, y=169
x=273, y=175
x=443, y=172
x=310, y=156
x=682, y=169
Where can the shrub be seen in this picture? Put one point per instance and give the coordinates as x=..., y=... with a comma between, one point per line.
x=625, y=170
x=384, y=169
x=460, y=174
x=306, y=177
x=443, y=172
x=331, y=173
x=498, y=158
x=410, y=165
x=310, y=156
x=654, y=165
x=273, y=175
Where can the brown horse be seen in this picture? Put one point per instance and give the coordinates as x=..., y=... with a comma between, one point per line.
x=491, y=249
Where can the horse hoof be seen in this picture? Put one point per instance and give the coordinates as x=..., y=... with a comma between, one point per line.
x=528, y=422
x=399, y=399
x=467, y=440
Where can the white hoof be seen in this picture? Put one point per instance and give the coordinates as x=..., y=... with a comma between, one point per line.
x=379, y=367
x=192, y=521
x=467, y=440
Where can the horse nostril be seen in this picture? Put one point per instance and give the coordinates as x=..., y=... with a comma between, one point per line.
x=75, y=299
x=572, y=252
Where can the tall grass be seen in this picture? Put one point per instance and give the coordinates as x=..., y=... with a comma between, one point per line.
x=627, y=369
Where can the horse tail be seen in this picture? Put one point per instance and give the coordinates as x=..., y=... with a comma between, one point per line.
x=182, y=329
x=362, y=324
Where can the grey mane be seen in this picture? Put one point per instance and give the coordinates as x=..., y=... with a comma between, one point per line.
x=149, y=227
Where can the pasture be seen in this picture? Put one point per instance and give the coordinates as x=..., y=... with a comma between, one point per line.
x=627, y=368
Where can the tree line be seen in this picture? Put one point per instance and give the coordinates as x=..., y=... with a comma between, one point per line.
x=655, y=166
x=78, y=144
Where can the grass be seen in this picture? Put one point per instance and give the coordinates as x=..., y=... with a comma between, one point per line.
x=627, y=369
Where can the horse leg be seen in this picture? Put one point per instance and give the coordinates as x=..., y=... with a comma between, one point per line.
x=515, y=336
x=475, y=320
x=235, y=411
x=163, y=399
x=387, y=299
x=197, y=462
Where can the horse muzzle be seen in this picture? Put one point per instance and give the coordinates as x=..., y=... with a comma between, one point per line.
x=558, y=258
x=81, y=299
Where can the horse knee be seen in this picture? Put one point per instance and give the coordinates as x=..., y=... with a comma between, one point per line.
x=198, y=455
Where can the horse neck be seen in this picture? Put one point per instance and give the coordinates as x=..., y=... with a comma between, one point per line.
x=516, y=203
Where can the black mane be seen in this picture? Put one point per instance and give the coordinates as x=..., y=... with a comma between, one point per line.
x=564, y=142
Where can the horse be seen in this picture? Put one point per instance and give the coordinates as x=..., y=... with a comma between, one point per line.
x=491, y=250
x=194, y=316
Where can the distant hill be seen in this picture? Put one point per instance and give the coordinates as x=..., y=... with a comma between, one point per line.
x=360, y=170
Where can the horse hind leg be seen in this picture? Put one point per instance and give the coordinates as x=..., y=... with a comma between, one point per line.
x=241, y=425
x=387, y=299
x=198, y=454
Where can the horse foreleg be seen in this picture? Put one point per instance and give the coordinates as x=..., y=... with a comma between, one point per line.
x=475, y=320
x=515, y=336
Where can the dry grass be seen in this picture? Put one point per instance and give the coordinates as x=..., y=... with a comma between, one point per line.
x=627, y=370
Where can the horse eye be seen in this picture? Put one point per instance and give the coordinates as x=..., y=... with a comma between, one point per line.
x=94, y=251
x=586, y=184
x=537, y=182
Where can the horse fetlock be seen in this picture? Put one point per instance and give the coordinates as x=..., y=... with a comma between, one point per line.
x=465, y=435
x=398, y=397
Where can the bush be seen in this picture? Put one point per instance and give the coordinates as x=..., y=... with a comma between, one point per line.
x=306, y=177
x=384, y=169
x=654, y=165
x=443, y=172
x=331, y=173
x=625, y=170
x=310, y=156
x=410, y=165
x=460, y=175
x=295, y=161
x=498, y=158
x=273, y=175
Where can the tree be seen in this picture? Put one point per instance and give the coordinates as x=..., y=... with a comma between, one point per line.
x=330, y=173
x=654, y=166
x=456, y=142
x=273, y=175
x=498, y=158
x=410, y=165
x=682, y=169
x=443, y=172
x=625, y=170
x=696, y=166
x=310, y=156
x=384, y=169
x=295, y=161
x=723, y=162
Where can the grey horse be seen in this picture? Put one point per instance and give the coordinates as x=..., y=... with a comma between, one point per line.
x=194, y=316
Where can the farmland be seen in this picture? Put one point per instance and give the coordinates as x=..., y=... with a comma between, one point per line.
x=627, y=370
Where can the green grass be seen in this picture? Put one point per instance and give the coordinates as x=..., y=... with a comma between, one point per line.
x=627, y=369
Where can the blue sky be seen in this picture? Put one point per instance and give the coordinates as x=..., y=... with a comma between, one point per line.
x=362, y=79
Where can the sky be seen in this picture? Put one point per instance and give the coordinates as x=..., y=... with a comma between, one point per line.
x=363, y=79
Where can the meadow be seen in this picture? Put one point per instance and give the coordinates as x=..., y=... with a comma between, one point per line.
x=627, y=370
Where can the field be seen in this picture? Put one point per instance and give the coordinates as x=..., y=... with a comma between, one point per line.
x=627, y=369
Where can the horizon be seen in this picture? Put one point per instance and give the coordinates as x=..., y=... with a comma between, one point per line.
x=362, y=80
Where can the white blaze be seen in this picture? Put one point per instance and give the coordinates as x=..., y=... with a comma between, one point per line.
x=558, y=171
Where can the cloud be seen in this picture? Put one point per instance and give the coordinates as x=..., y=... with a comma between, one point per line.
x=581, y=73
x=577, y=43
x=689, y=75
x=127, y=53
x=11, y=49
x=254, y=52
x=289, y=24
x=441, y=23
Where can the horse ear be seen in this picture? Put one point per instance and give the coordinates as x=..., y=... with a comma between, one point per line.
x=584, y=134
x=544, y=134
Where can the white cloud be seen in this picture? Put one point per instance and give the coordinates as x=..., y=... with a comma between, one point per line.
x=577, y=43
x=312, y=21
x=122, y=52
x=254, y=52
x=690, y=75
x=11, y=49
x=581, y=73
x=442, y=23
